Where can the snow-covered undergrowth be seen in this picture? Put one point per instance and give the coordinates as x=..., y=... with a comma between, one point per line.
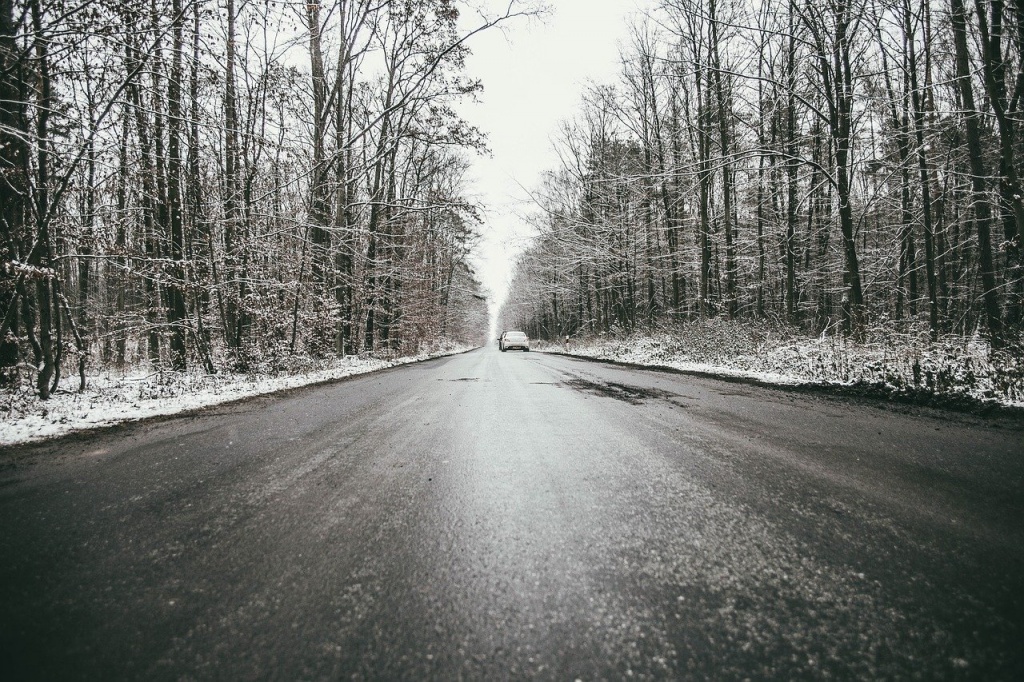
x=112, y=397
x=890, y=363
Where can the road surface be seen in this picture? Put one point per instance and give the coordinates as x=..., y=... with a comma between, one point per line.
x=519, y=515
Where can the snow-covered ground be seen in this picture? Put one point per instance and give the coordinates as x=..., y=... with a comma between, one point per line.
x=954, y=368
x=114, y=398
x=892, y=364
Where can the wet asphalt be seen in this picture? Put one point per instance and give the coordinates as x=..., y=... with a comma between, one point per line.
x=519, y=515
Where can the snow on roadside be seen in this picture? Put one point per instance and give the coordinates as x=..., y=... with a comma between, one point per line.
x=896, y=364
x=112, y=398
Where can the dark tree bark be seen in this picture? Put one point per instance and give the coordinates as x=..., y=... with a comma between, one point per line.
x=922, y=160
x=148, y=199
x=233, y=321
x=832, y=36
x=792, y=170
x=991, y=28
x=198, y=236
x=14, y=242
x=44, y=253
x=176, y=314
x=725, y=139
x=982, y=208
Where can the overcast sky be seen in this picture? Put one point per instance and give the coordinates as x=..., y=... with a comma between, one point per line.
x=534, y=75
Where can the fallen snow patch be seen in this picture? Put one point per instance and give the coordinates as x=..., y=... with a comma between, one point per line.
x=114, y=398
x=910, y=364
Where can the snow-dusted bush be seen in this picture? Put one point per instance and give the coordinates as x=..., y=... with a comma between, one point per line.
x=112, y=397
x=906, y=363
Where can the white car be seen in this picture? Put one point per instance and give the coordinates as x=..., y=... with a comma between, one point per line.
x=511, y=340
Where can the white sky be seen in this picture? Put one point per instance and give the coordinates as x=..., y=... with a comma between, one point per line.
x=533, y=75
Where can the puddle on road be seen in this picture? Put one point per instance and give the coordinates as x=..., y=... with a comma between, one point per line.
x=634, y=395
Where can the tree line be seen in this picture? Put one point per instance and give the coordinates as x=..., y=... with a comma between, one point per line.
x=826, y=164
x=232, y=184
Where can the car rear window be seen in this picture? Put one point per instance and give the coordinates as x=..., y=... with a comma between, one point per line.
x=515, y=336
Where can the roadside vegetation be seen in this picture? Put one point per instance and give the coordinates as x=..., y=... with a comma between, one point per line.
x=240, y=188
x=953, y=371
x=115, y=396
x=827, y=191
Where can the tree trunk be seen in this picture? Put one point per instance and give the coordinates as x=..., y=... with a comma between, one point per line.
x=176, y=314
x=926, y=203
x=792, y=167
x=982, y=208
x=231, y=309
x=725, y=135
x=14, y=165
x=44, y=252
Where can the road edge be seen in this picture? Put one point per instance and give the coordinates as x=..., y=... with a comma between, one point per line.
x=12, y=451
x=870, y=394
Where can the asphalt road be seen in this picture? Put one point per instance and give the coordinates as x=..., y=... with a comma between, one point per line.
x=512, y=515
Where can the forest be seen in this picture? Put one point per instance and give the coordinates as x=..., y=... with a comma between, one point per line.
x=840, y=167
x=232, y=186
